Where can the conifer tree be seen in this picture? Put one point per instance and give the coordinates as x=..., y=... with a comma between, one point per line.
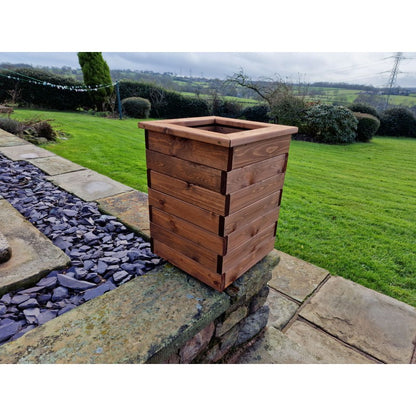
x=96, y=72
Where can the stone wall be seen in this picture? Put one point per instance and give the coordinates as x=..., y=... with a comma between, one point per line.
x=164, y=316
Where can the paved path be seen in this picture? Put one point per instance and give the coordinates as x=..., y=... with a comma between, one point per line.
x=314, y=317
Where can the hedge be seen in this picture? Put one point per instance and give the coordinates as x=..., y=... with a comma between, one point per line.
x=367, y=126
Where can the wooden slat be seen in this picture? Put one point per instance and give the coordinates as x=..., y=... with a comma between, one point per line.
x=261, y=150
x=201, y=217
x=250, y=194
x=185, y=229
x=195, y=269
x=193, y=194
x=191, y=172
x=194, y=151
x=261, y=251
x=188, y=121
x=256, y=172
x=242, y=253
x=254, y=136
x=219, y=128
x=197, y=253
x=248, y=214
x=239, y=237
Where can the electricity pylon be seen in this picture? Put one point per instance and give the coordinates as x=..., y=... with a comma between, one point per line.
x=393, y=75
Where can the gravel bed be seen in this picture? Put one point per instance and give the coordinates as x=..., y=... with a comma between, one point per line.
x=104, y=253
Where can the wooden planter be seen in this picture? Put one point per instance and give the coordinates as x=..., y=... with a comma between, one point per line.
x=215, y=186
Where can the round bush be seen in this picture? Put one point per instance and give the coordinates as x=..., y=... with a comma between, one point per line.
x=364, y=108
x=367, y=126
x=398, y=122
x=256, y=113
x=331, y=124
x=136, y=107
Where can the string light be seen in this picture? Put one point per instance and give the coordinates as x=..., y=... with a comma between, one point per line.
x=75, y=88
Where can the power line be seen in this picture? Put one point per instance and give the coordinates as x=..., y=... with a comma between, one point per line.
x=393, y=75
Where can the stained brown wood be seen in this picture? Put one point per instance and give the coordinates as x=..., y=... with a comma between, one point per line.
x=194, y=151
x=219, y=128
x=263, y=248
x=255, y=172
x=205, y=219
x=185, y=229
x=190, y=193
x=239, y=237
x=257, y=151
x=197, y=253
x=250, y=213
x=192, y=172
x=242, y=253
x=250, y=194
x=195, y=269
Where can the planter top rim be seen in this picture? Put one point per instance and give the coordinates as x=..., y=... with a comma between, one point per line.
x=242, y=131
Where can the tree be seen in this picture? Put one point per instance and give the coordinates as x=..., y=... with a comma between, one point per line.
x=287, y=103
x=96, y=73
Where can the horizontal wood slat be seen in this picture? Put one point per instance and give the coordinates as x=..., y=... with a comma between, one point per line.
x=193, y=194
x=185, y=229
x=263, y=248
x=205, y=219
x=250, y=194
x=255, y=172
x=248, y=214
x=195, y=269
x=190, y=249
x=242, y=253
x=192, y=172
x=239, y=237
x=257, y=151
x=204, y=153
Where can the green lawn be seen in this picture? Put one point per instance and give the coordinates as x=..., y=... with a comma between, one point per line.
x=349, y=209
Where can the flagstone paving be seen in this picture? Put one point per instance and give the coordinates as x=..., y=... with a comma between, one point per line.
x=89, y=185
x=25, y=152
x=314, y=317
x=56, y=165
x=131, y=208
x=33, y=255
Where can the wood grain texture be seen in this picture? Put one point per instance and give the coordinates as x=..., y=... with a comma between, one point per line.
x=257, y=151
x=205, y=219
x=191, y=172
x=246, y=196
x=250, y=213
x=195, y=269
x=194, y=151
x=188, y=248
x=189, y=231
x=255, y=172
x=188, y=192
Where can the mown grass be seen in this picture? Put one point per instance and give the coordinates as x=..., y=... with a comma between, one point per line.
x=349, y=209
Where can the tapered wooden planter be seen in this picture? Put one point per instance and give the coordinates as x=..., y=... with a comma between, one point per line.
x=215, y=186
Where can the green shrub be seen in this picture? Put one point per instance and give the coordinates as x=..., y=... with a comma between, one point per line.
x=39, y=95
x=226, y=108
x=397, y=122
x=257, y=113
x=364, y=108
x=136, y=107
x=11, y=126
x=164, y=103
x=330, y=124
x=367, y=126
x=289, y=110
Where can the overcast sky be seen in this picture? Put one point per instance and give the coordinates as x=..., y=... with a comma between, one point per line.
x=363, y=68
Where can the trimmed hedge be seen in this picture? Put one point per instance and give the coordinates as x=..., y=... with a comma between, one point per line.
x=331, y=124
x=136, y=107
x=164, y=103
x=397, y=122
x=42, y=96
x=367, y=126
x=364, y=108
x=257, y=113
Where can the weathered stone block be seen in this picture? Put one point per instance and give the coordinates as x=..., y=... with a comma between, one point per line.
x=235, y=317
x=196, y=344
x=252, y=325
x=257, y=301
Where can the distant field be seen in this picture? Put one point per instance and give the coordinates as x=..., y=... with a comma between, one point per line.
x=243, y=101
x=349, y=209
